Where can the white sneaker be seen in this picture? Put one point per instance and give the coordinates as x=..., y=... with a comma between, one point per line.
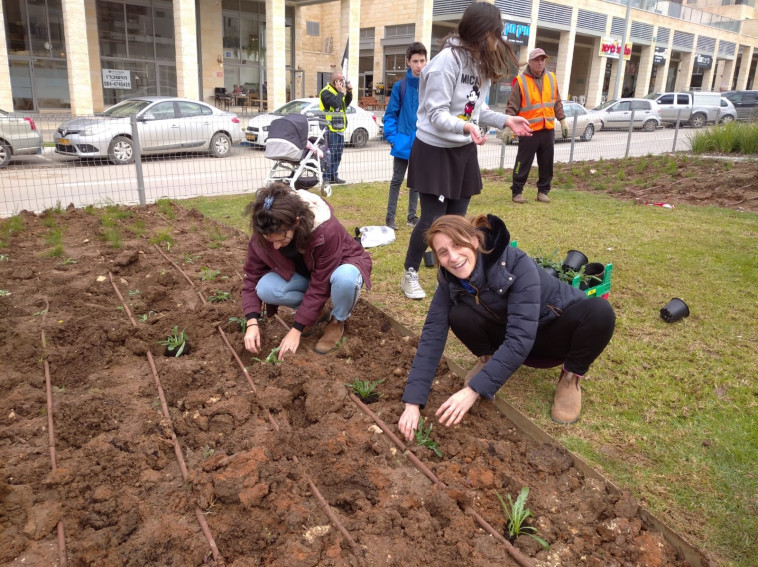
x=410, y=285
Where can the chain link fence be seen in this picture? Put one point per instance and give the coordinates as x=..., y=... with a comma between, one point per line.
x=178, y=158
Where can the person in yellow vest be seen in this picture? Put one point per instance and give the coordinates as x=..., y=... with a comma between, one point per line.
x=535, y=97
x=334, y=99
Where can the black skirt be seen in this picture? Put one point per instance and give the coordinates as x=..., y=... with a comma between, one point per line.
x=451, y=172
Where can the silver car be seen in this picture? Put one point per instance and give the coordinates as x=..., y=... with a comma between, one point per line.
x=727, y=112
x=18, y=136
x=618, y=113
x=587, y=123
x=164, y=125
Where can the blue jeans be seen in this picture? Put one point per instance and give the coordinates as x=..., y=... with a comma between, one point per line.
x=345, y=283
x=336, y=141
x=399, y=167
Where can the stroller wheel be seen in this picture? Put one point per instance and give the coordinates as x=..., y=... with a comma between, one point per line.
x=326, y=190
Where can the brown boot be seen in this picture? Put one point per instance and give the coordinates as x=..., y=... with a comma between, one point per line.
x=332, y=335
x=322, y=318
x=477, y=367
x=567, y=404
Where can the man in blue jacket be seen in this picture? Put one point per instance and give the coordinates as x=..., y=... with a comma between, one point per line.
x=400, y=130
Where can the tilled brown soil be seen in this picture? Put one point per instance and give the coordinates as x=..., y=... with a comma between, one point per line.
x=277, y=467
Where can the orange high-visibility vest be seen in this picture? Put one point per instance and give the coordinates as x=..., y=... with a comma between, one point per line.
x=538, y=107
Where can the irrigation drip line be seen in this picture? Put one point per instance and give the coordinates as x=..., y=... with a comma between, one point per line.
x=51, y=434
x=515, y=553
x=174, y=440
x=322, y=501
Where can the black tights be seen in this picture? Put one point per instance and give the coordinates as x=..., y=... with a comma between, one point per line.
x=576, y=338
x=431, y=209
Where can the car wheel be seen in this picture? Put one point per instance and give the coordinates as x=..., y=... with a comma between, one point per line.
x=589, y=131
x=5, y=154
x=727, y=118
x=220, y=145
x=359, y=138
x=650, y=125
x=697, y=121
x=121, y=151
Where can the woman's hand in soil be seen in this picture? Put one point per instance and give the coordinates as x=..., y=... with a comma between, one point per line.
x=409, y=421
x=289, y=343
x=253, y=338
x=456, y=406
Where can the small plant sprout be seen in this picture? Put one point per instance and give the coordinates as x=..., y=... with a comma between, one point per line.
x=133, y=292
x=208, y=274
x=241, y=321
x=220, y=296
x=272, y=357
x=365, y=388
x=145, y=316
x=4, y=293
x=68, y=261
x=517, y=515
x=3, y=257
x=422, y=437
x=175, y=341
x=190, y=259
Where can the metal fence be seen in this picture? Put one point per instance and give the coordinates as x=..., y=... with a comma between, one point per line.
x=51, y=178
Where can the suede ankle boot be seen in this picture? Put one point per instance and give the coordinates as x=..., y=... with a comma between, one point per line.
x=477, y=367
x=332, y=335
x=567, y=404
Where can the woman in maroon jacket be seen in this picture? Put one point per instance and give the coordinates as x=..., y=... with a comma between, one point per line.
x=300, y=256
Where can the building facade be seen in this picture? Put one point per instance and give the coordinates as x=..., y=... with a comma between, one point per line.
x=81, y=56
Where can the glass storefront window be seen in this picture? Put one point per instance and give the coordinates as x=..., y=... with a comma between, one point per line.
x=164, y=34
x=21, y=85
x=112, y=29
x=15, y=27
x=139, y=32
x=231, y=38
x=51, y=84
x=38, y=27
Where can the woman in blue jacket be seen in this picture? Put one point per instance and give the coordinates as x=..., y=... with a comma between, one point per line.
x=505, y=309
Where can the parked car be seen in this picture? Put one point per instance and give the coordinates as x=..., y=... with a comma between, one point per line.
x=164, y=124
x=18, y=136
x=727, y=112
x=618, y=113
x=696, y=108
x=361, y=124
x=745, y=102
x=587, y=123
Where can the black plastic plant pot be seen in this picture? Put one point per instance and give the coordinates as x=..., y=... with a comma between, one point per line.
x=674, y=310
x=186, y=350
x=552, y=271
x=429, y=259
x=595, y=272
x=575, y=260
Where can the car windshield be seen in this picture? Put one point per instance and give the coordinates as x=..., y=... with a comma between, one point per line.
x=126, y=108
x=292, y=107
x=652, y=96
x=605, y=105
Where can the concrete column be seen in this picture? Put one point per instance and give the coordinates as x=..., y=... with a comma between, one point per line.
x=211, y=40
x=708, y=73
x=684, y=77
x=379, y=55
x=185, y=34
x=747, y=59
x=596, y=76
x=663, y=70
x=6, y=95
x=424, y=22
x=350, y=27
x=644, y=71
x=566, y=57
x=276, y=58
x=77, y=54
x=95, y=68
x=727, y=73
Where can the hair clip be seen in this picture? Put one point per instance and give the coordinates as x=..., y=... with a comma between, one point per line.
x=267, y=202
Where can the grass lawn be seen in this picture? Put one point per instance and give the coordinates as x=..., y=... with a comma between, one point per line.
x=670, y=410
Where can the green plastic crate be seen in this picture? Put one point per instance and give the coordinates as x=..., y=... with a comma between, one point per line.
x=601, y=290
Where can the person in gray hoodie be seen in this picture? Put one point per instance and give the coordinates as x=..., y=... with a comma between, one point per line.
x=443, y=166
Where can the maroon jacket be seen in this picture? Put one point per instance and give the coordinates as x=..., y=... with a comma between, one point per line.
x=329, y=247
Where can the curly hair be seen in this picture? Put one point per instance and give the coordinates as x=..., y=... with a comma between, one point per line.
x=278, y=208
x=479, y=22
x=460, y=230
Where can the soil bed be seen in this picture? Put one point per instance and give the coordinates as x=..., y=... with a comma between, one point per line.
x=118, y=489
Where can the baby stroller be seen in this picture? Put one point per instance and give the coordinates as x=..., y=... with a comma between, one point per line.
x=299, y=160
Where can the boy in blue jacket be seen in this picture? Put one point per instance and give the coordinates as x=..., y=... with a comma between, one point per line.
x=400, y=130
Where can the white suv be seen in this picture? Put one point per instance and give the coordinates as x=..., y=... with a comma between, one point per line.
x=618, y=113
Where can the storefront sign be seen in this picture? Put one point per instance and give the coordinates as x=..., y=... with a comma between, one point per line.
x=117, y=79
x=611, y=48
x=703, y=61
x=660, y=56
x=515, y=33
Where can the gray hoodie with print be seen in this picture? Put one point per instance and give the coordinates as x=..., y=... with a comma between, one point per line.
x=451, y=94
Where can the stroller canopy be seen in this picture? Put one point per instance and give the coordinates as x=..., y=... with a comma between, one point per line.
x=287, y=137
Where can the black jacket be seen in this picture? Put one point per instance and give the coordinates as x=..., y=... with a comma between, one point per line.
x=512, y=290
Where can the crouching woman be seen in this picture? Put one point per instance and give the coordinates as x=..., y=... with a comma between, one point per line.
x=508, y=312
x=300, y=256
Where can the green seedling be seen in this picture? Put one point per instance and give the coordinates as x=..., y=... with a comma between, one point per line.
x=165, y=237
x=4, y=293
x=133, y=292
x=208, y=274
x=241, y=321
x=517, y=515
x=68, y=261
x=38, y=313
x=365, y=388
x=272, y=357
x=145, y=316
x=422, y=437
x=208, y=452
x=220, y=296
x=190, y=259
x=175, y=341
x=3, y=257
